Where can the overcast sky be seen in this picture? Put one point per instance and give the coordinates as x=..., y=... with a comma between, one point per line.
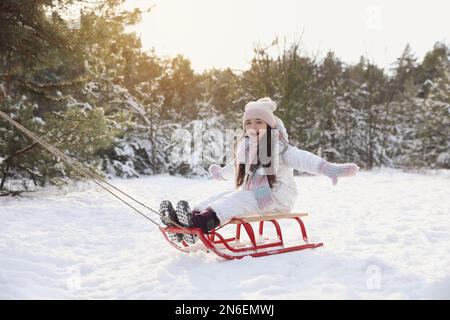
x=213, y=33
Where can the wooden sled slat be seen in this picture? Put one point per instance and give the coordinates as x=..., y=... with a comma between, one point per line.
x=267, y=217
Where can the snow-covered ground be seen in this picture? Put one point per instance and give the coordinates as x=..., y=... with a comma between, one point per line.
x=386, y=235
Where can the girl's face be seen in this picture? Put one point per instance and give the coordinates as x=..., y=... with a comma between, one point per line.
x=254, y=127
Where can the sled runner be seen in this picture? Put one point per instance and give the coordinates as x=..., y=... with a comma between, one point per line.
x=241, y=245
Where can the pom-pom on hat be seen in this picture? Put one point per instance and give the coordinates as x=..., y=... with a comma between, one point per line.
x=262, y=109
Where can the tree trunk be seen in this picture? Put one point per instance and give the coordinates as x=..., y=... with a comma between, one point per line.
x=8, y=158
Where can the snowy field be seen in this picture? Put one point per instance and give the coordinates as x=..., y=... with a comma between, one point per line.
x=386, y=236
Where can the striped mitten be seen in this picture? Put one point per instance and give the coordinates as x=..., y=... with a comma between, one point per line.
x=214, y=170
x=335, y=170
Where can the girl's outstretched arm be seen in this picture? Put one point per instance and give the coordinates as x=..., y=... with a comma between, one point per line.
x=309, y=162
x=302, y=160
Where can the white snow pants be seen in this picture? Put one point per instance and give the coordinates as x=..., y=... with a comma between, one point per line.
x=240, y=203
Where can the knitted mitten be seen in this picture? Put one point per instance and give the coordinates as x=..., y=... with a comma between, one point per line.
x=214, y=170
x=334, y=170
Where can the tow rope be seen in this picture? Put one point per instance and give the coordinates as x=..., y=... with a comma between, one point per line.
x=78, y=167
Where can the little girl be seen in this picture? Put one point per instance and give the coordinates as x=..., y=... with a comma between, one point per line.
x=262, y=169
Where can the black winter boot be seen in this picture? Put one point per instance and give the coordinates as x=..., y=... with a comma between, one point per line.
x=184, y=215
x=168, y=214
x=207, y=220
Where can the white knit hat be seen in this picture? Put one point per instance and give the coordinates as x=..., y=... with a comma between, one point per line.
x=281, y=129
x=262, y=109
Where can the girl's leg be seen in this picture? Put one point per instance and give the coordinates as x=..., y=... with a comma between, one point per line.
x=221, y=208
x=237, y=204
x=202, y=205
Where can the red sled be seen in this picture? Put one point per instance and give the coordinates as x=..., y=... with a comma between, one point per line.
x=234, y=247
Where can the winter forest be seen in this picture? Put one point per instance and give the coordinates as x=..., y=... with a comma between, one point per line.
x=111, y=115
x=87, y=87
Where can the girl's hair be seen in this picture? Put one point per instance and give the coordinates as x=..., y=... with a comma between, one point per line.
x=240, y=167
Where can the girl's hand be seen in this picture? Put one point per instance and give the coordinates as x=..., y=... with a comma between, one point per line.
x=334, y=170
x=214, y=170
